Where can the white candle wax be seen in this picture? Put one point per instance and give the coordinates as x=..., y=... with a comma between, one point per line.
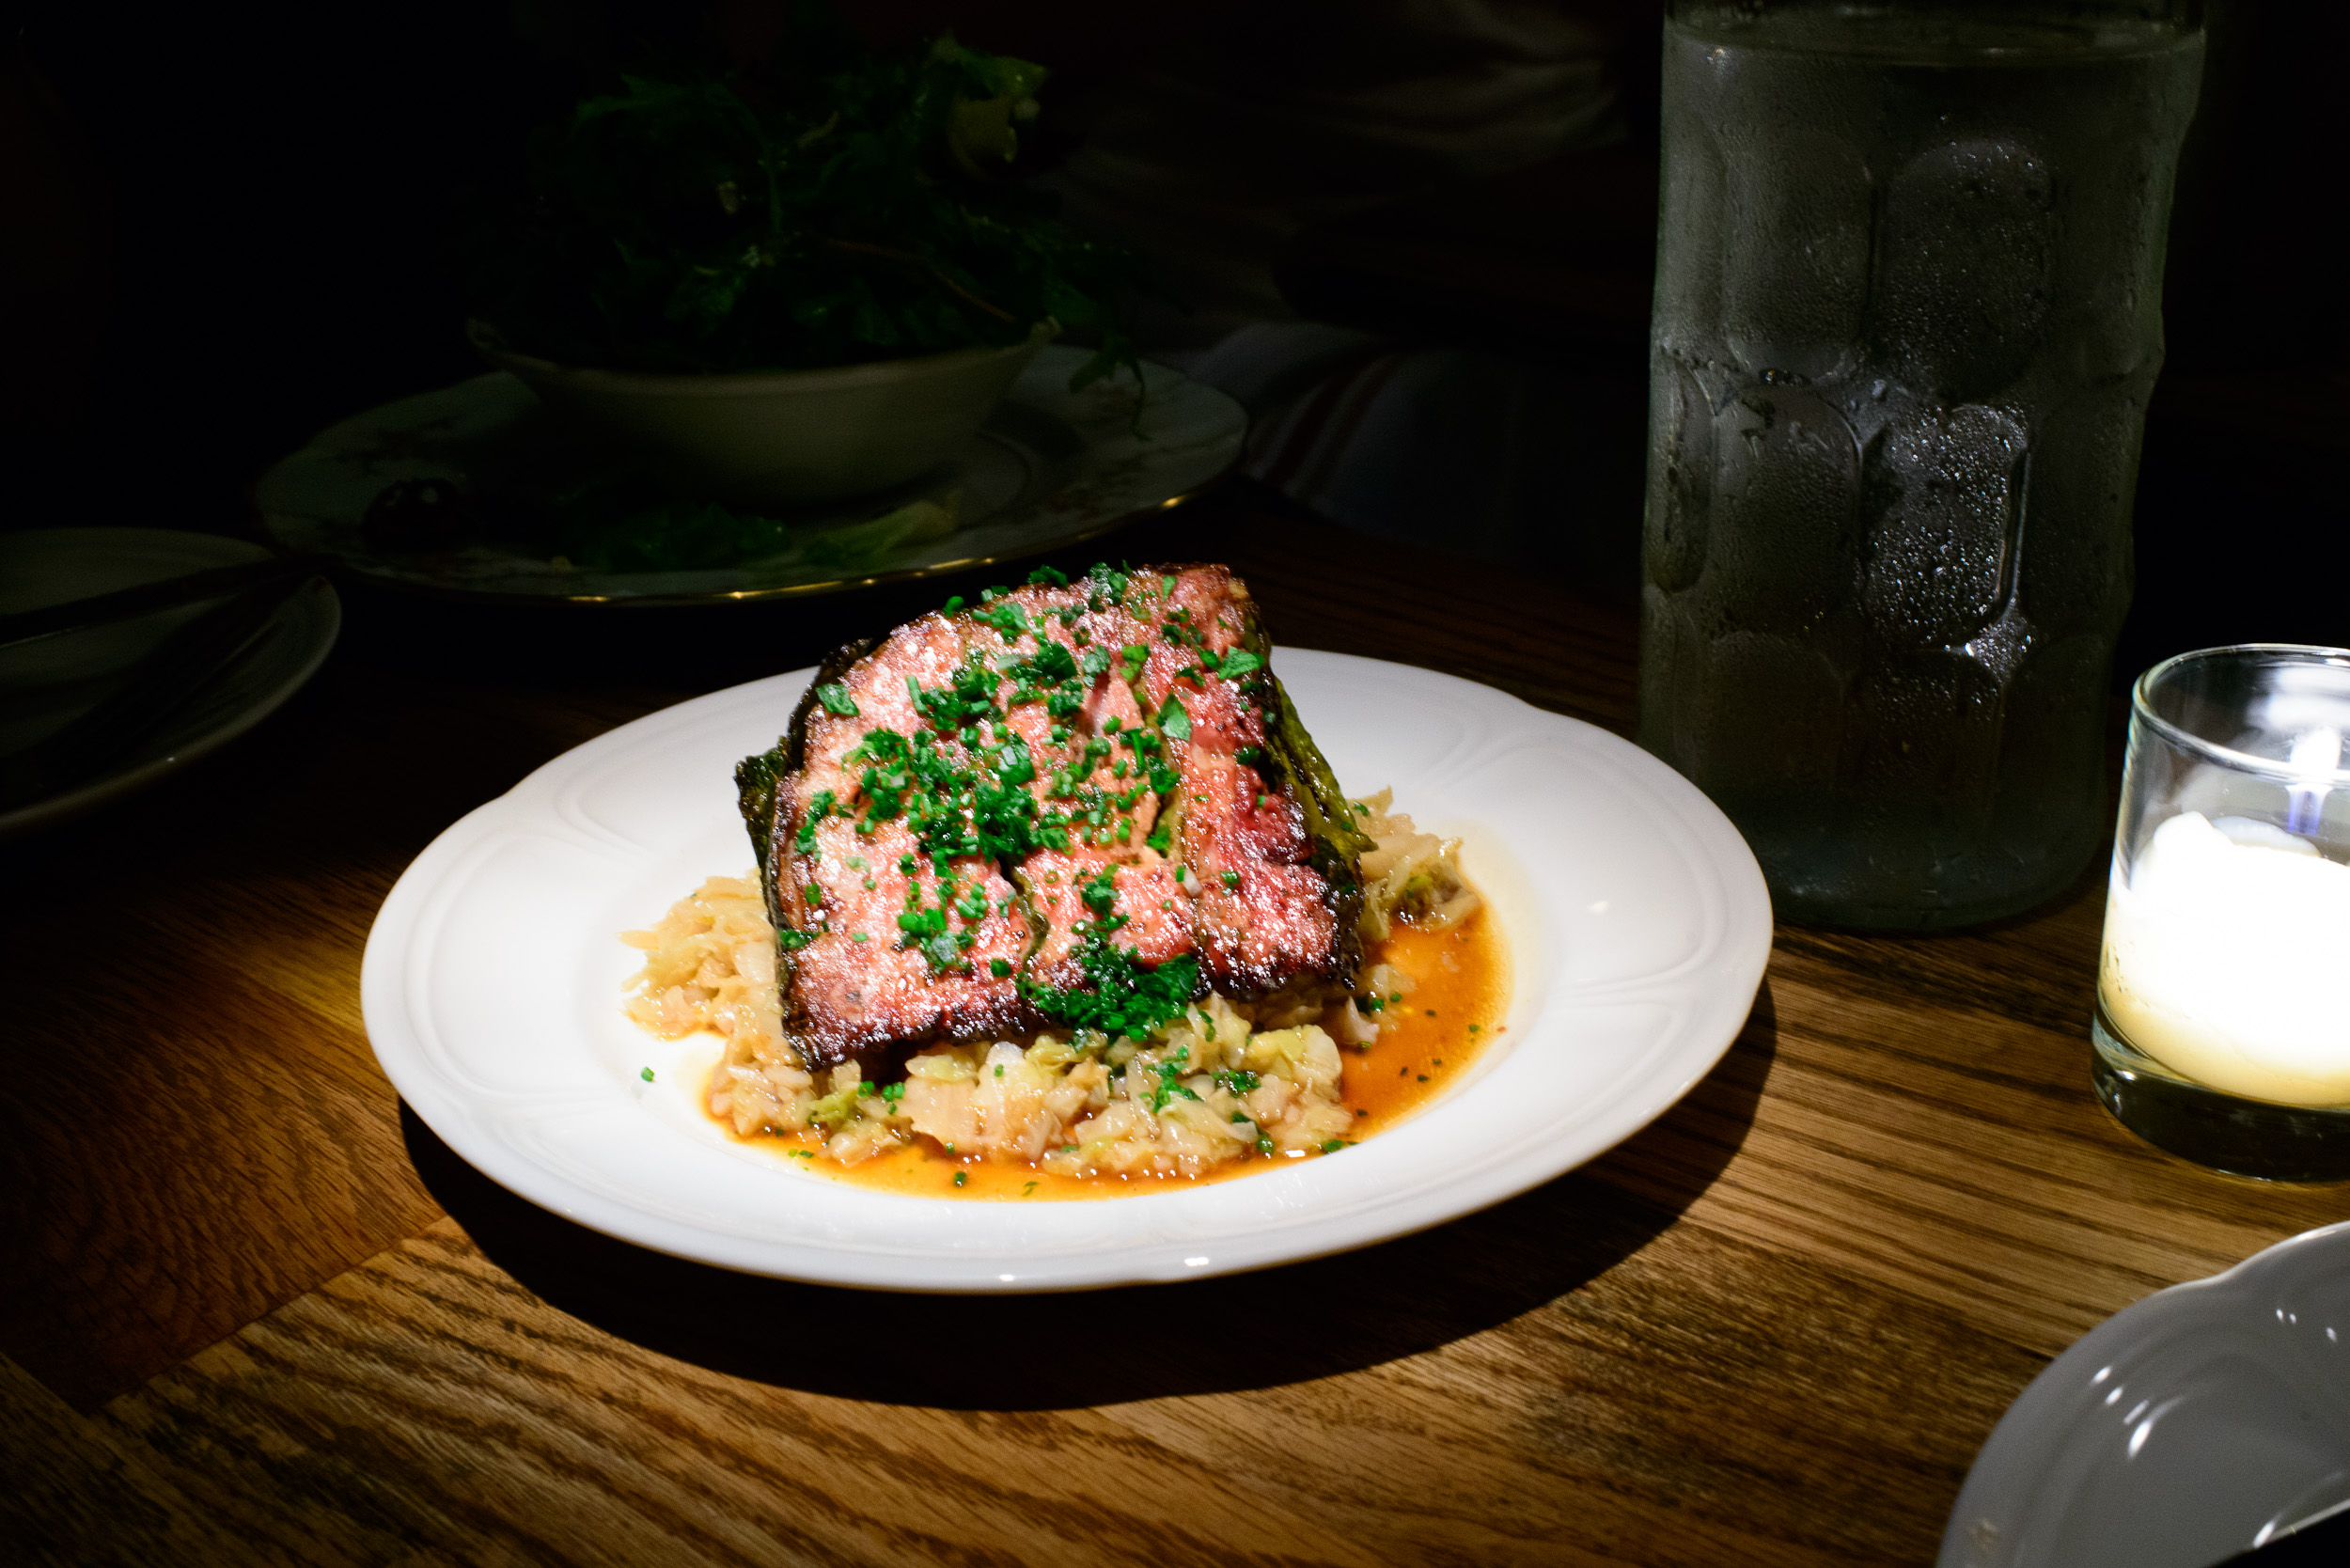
x=2227, y=958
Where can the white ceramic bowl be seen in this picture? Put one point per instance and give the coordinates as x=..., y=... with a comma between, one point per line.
x=783, y=437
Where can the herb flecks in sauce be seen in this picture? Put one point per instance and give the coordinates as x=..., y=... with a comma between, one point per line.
x=1381, y=1084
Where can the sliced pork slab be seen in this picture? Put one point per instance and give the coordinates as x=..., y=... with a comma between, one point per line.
x=974, y=814
x=888, y=942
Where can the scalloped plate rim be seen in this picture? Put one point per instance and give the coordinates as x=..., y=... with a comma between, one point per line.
x=2032, y=1434
x=1701, y=1007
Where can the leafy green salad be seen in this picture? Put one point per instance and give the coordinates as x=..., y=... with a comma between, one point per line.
x=840, y=205
x=836, y=205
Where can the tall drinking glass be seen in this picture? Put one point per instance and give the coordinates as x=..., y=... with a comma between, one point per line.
x=1908, y=311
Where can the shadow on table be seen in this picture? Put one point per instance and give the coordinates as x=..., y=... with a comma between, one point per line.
x=1058, y=1351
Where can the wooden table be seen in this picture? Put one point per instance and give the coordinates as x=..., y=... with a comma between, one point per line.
x=255, y=1313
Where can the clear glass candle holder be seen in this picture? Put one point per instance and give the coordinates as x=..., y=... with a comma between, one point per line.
x=2222, y=1027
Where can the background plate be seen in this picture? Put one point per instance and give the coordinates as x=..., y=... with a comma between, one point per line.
x=1637, y=923
x=1051, y=467
x=2179, y=1431
x=43, y=685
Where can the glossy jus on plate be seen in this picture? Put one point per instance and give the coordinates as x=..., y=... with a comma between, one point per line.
x=1058, y=879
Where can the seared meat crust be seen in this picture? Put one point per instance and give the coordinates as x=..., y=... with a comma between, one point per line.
x=1108, y=757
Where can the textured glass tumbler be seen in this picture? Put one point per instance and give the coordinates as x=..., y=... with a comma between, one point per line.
x=2222, y=1031
x=1908, y=293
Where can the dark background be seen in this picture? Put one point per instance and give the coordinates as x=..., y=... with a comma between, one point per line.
x=223, y=228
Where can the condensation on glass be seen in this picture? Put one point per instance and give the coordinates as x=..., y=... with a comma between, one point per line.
x=1907, y=317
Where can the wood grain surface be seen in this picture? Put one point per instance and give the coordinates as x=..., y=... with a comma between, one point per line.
x=254, y=1312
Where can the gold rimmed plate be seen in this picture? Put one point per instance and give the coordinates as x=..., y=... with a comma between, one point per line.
x=1051, y=467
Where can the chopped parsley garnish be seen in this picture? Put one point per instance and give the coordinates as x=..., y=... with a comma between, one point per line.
x=644, y=1074
x=1050, y=665
x=1010, y=621
x=1239, y=662
x=925, y=931
x=963, y=782
x=1168, y=1073
x=1122, y=997
x=969, y=694
x=1174, y=719
x=818, y=809
x=1099, y=892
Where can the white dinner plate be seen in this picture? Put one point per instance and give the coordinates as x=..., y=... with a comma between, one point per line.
x=2179, y=1432
x=45, y=685
x=1636, y=919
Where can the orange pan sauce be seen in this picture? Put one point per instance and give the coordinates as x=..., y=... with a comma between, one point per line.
x=1459, y=993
